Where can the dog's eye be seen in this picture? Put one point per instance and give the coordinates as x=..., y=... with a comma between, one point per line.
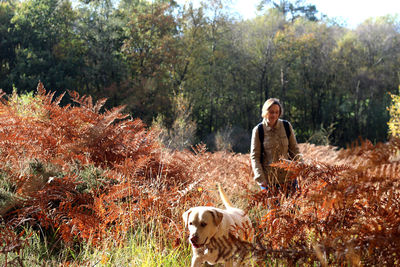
x=190, y=223
x=203, y=224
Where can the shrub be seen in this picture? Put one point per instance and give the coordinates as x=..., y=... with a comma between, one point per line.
x=394, y=122
x=181, y=134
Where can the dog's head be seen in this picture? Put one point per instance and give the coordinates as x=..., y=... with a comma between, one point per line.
x=202, y=223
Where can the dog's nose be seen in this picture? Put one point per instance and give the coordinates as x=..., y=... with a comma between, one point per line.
x=194, y=239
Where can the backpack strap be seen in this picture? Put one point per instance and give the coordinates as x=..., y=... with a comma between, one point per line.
x=287, y=128
x=261, y=137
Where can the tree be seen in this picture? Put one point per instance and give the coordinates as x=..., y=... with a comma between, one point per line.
x=380, y=39
x=303, y=52
x=48, y=49
x=7, y=44
x=101, y=29
x=292, y=9
x=210, y=63
x=257, y=40
x=151, y=53
x=367, y=60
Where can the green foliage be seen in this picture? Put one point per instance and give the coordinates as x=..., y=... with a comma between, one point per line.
x=8, y=194
x=394, y=122
x=91, y=178
x=7, y=42
x=140, y=54
x=47, y=49
x=100, y=29
x=151, y=50
x=292, y=9
x=139, y=249
x=26, y=105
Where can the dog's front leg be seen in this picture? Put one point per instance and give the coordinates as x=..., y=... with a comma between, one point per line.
x=229, y=263
x=239, y=263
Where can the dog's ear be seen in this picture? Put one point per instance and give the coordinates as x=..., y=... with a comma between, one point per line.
x=186, y=216
x=217, y=216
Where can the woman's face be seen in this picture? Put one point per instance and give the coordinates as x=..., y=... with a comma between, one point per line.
x=273, y=114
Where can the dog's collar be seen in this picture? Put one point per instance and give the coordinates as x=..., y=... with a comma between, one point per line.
x=197, y=246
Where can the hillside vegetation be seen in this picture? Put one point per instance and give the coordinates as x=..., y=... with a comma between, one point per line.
x=155, y=56
x=78, y=176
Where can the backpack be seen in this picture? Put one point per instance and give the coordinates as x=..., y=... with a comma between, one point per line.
x=261, y=136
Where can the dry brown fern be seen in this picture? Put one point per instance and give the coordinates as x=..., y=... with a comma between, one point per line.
x=12, y=243
x=71, y=139
x=346, y=210
x=341, y=213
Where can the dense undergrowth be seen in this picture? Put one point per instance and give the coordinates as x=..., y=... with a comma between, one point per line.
x=78, y=177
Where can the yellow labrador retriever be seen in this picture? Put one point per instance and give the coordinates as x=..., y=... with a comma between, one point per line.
x=211, y=231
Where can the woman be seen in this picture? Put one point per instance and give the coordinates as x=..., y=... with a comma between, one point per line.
x=279, y=142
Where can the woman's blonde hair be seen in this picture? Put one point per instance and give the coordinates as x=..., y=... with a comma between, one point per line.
x=268, y=104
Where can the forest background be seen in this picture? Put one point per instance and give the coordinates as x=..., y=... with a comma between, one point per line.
x=201, y=74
